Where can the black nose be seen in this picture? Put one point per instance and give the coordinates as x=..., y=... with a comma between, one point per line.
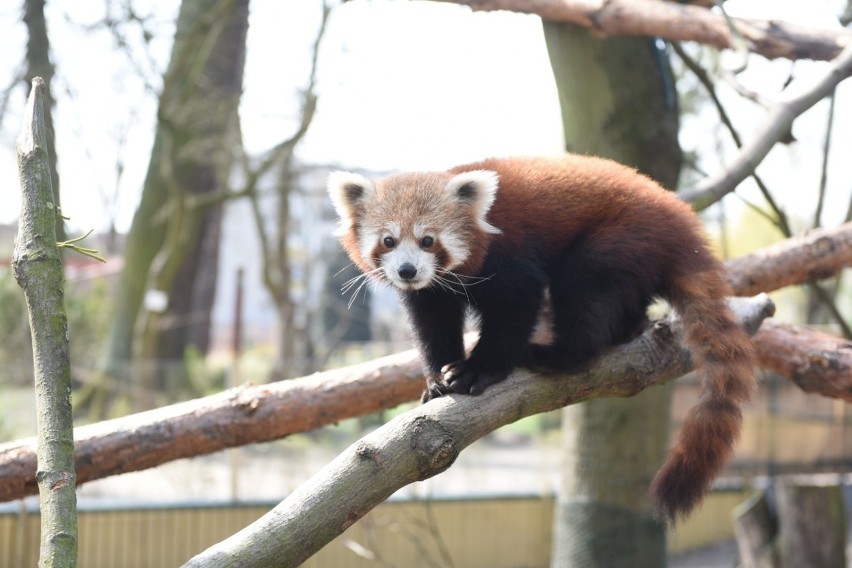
x=407, y=271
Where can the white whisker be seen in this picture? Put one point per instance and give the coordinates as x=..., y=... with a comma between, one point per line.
x=360, y=280
x=458, y=281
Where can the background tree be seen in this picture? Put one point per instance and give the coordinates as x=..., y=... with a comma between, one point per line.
x=294, y=345
x=619, y=101
x=172, y=245
x=40, y=65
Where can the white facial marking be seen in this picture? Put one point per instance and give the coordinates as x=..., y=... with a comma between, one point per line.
x=408, y=251
x=366, y=243
x=456, y=249
x=395, y=230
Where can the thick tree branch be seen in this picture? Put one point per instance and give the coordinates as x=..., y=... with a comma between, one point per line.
x=816, y=362
x=813, y=256
x=426, y=440
x=239, y=416
x=678, y=22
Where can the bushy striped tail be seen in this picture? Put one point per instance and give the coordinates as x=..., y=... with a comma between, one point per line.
x=723, y=353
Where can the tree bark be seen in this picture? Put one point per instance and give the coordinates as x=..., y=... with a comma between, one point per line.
x=755, y=530
x=811, y=525
x=37, y=267
x=618, y=101
x=239, y=416
x=214, y=117
x=426, y=440
x=191, y=150
x=810, y=257
x=815, y=361
x=678, y=22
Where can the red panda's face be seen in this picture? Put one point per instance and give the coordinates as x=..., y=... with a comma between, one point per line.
x=412, y=230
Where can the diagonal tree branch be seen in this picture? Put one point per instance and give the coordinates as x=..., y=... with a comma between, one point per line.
x=238, y=416
x=679, y=22
x=813, y=256
x=426, y=441
x=816, y=362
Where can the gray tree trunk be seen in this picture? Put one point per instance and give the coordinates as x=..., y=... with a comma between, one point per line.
x=618, y=101
x=192, y=154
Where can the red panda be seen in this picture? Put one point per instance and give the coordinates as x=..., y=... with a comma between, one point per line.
x=600, y=239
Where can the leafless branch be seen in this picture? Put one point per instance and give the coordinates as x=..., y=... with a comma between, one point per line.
x=678, y=22
x=816, y=255
x=780, y=218
x=816, y=362
x=776, y=125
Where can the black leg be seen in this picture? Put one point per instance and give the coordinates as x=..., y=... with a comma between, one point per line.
x=594, y=306
x=437, y=319
x=508, y=310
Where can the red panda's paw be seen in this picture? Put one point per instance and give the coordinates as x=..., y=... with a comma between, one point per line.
x=434, y=389
x=465, y=377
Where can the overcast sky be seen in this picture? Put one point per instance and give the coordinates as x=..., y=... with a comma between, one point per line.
x=403, y=85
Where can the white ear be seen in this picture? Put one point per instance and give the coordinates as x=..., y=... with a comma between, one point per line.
x=478, y=189
x=349, y=192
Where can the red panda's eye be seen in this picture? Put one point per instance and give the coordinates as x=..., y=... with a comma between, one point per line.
x=427, y=242
x=389, y=242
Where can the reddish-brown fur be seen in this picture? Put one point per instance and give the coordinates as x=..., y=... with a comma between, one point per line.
x=559, y=219
x=558, y=199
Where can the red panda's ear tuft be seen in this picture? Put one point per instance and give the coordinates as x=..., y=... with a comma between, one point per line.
x=350, y=193
x=478, y=189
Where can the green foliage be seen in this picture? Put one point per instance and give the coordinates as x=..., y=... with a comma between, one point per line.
x=15, y=347
x=202, y=378
x=87, y=308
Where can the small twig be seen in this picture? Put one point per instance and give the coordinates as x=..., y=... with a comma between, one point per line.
x=828, y=301
x=70, y=244
x=826, y=148
x=744, y=91
x=738, y=42
x=780, y=219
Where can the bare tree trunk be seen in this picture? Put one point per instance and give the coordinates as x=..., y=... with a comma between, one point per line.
x=193, y=150
x=811, y=525
x=193, y=288
x=618, y=101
